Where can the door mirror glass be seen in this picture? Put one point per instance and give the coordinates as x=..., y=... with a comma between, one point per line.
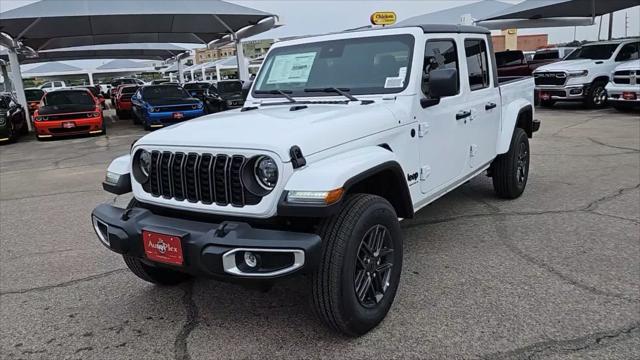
x=443, y=83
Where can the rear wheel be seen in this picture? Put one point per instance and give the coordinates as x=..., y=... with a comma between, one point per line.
x=510, y=171
x=596, y=97
x=359, y=272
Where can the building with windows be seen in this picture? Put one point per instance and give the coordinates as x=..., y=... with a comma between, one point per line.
x=205, y=55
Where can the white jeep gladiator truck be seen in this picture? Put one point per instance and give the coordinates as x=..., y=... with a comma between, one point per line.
x=340, y=137
x=583, y=75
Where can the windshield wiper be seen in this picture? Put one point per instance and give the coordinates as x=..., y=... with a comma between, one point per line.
x=284, y=93
x=344, y=92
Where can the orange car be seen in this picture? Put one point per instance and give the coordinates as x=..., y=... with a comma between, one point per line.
x=123, y=99
x=68, y=112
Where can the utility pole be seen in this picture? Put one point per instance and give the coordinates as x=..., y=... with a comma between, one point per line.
x=610, y=26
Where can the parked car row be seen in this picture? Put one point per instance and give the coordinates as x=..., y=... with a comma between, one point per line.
x=156, y=106
x=585, y=74
x=515, y=63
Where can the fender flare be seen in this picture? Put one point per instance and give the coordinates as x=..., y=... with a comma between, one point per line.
x=345, y=171
x=510, y=118
x=121, y=168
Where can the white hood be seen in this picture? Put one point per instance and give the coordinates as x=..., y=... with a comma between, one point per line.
x=276, y=128
x=629, y=65
x=570, y=65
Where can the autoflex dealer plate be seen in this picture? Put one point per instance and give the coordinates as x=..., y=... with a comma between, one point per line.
x=162, y=248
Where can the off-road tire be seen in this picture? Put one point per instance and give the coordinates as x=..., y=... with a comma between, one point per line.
x=154, y=275
x=508, y=181
x=596, y=97
x=333, y=283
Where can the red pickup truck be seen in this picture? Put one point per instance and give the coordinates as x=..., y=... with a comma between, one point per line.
x=514, y=63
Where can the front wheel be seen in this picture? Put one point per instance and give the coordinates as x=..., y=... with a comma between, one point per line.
x=359, y=272
x=510, y=171
x=596, y=97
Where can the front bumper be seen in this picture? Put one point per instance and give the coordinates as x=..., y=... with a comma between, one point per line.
x=620, y=94
x=159, y=119
x=124, y=105
x=562, y=92
x=210, y=250
x=52, y=128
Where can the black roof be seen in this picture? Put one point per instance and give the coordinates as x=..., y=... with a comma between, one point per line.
x=445, y=28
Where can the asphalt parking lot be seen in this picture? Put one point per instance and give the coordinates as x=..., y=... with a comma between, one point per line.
x=552, y=275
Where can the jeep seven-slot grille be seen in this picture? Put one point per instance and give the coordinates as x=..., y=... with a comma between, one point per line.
x=205, y=178
x=550, y=78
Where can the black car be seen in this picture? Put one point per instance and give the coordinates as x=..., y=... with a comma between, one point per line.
x=224, y=95
x=116, y=82
x=197, y=89
x=13, y=120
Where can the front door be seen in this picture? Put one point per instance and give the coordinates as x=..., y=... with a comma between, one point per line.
x=483, y=103
x=442, y=135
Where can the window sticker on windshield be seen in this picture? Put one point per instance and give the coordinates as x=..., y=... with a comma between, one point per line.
x=291, y=68
x=396, y=81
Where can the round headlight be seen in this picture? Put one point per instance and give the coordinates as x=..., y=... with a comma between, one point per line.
x=266, y=172
x=145, y=162
x=141, y=166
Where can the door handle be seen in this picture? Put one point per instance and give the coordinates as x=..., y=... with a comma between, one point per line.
x=490, y=106
x=462, y=115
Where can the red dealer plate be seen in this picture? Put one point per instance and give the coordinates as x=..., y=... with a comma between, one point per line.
x=545, y=96
x=162, y=248
x=68, y=125
x=629, y=95
x=178, y=115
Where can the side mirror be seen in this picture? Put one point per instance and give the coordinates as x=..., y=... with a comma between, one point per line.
x=443, y=83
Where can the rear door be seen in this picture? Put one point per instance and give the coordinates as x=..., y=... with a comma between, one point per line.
x=482, y=103
x=441, y=136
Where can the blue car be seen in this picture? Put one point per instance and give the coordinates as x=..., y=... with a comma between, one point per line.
x=156, y=106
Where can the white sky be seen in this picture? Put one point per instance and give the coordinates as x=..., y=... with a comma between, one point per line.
x=303, y=17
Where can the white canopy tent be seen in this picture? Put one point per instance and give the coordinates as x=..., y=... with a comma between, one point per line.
x=553, y=13
x=50, y=24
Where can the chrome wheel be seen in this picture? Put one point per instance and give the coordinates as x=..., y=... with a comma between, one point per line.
x=599, y=95
x=373, y=266
x=522, y=165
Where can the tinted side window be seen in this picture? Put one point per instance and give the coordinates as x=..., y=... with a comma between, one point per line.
x=438, y=54
x=477, y=63
x=628, y=52
x=46, y=85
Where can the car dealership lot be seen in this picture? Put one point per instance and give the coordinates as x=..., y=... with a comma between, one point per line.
x=553, y=274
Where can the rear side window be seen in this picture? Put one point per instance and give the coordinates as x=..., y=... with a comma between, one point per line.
x=628, y=52
x=477, y=63
x=438, y=54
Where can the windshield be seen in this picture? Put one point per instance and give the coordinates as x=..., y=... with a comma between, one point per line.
x=164, y=92
x=547, y=55
x=68, y=98
x=593, y=52
x=129, y=89
x=196, y=86
x=115, y=83
x=34, y=94
x=93, y=90
x=373, y=65
x=229, y=86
